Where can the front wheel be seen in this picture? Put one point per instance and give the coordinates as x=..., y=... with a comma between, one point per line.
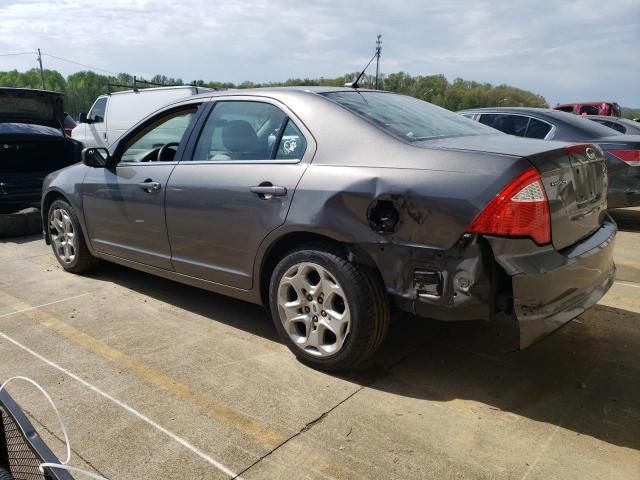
x=67, y=240
x=331, y=313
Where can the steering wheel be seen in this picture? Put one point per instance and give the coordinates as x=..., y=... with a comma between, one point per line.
x=164, y=148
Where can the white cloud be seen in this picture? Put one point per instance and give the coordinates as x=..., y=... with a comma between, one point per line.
x=563, y=50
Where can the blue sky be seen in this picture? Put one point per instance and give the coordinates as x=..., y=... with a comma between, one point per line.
x=563, y=50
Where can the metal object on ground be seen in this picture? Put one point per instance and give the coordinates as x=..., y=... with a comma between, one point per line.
x=21, y=448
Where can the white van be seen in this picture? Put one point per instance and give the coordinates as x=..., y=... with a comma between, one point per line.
x=113, y=114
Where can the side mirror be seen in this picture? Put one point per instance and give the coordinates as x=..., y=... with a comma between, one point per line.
x=96, y=157
x=84, y=119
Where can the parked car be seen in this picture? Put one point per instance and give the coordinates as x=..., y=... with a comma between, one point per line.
x=328, y=204
x=32, y=145
x=622, y=125
x=113, y=114
x=622, y=151
x=611, y=109
x=69, y=124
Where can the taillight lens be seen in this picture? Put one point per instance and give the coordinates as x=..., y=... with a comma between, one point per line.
x=630, y=157
x=521, y=209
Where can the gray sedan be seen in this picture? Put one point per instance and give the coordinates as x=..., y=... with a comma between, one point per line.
x=332, y=207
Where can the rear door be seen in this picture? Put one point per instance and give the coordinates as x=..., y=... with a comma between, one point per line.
x=124, y=204
x=234, y=187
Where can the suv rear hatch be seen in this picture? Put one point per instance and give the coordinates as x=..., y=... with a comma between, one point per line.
x=23, y=105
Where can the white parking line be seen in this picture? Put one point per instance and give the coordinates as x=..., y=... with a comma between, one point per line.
x=627, y=284
x=45, y=304
x=129, y=409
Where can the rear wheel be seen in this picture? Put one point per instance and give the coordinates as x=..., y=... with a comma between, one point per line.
x=331, y=313
x=67, y=240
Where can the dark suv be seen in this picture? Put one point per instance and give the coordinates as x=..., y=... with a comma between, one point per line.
x=32, y=145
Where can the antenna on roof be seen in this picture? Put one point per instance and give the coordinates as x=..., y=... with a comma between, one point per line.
x=356, y=82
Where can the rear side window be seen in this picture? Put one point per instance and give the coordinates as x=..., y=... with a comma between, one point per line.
x=505, y=122
x=292, y=144
x=537, y=129
x=615, y=126
x=246, y=130
x=96, y=115
x=568, y=108
x=407, y=118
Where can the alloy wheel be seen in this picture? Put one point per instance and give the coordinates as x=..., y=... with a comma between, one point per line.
x=314, y=310
x=63, y=235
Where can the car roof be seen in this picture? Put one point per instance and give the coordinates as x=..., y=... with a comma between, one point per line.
x=269, y=91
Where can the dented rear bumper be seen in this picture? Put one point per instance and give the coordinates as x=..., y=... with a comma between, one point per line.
x=538, y=287
x=550, y=287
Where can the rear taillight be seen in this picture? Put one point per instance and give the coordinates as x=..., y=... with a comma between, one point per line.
x=521, y=209
x=630, y=157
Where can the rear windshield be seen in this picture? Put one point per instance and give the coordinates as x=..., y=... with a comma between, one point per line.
x=28, y=107
x=587, y=127
x=406, y=117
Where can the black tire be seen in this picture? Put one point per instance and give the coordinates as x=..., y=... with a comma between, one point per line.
x=367, y=302
x=5, y=474
x=83, y=261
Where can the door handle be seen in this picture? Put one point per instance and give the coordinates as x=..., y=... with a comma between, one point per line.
x=149, y=185
x=269, y=190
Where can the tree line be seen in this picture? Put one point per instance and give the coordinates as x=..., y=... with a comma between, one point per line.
x=82, y=88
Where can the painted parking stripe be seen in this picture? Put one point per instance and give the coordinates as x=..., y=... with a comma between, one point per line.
x=26, y=309
x=126, y=407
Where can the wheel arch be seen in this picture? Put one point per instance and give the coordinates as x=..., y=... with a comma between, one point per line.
x=289, y=241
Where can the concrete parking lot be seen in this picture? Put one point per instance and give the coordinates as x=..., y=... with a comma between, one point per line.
x=159, y=380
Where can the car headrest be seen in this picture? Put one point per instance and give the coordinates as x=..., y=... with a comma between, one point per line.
x=239, y=136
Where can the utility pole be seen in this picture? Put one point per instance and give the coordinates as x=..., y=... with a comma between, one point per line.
x=378, y=51
x=41, y=71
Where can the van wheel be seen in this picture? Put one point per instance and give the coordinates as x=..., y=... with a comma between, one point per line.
x=67, y=240
x=331, y=313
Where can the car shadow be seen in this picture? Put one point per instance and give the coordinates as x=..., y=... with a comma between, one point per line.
x=628, y=219
x=585, y=377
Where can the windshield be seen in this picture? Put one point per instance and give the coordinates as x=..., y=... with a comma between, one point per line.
x=406, y=117
x=589, y=128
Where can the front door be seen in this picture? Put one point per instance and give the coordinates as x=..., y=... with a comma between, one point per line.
x=233, y=189
x=124, y=204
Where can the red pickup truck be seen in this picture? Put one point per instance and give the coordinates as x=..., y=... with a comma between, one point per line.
x=609, y=109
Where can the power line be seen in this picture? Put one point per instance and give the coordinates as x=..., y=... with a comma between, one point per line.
x=78, y=63
x=18, y=53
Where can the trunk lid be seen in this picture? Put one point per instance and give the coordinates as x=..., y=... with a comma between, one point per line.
x=574, y=179
x=23, y=105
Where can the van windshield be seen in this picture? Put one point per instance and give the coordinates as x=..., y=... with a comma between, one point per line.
x=407, y=118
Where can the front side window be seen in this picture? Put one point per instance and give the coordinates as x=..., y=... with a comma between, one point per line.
x=160, y=140
x=507, y=123
x=405, y=117
x=537, y=129
x=247, y=130
x=96, y=115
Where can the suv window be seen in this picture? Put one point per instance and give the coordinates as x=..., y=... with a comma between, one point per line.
x=167, y=129
x=568, y=108
x=537, y=129
x=589, y=110
x=245, y=130
x=96, y=115
x=507, y=123
x=405, y=117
